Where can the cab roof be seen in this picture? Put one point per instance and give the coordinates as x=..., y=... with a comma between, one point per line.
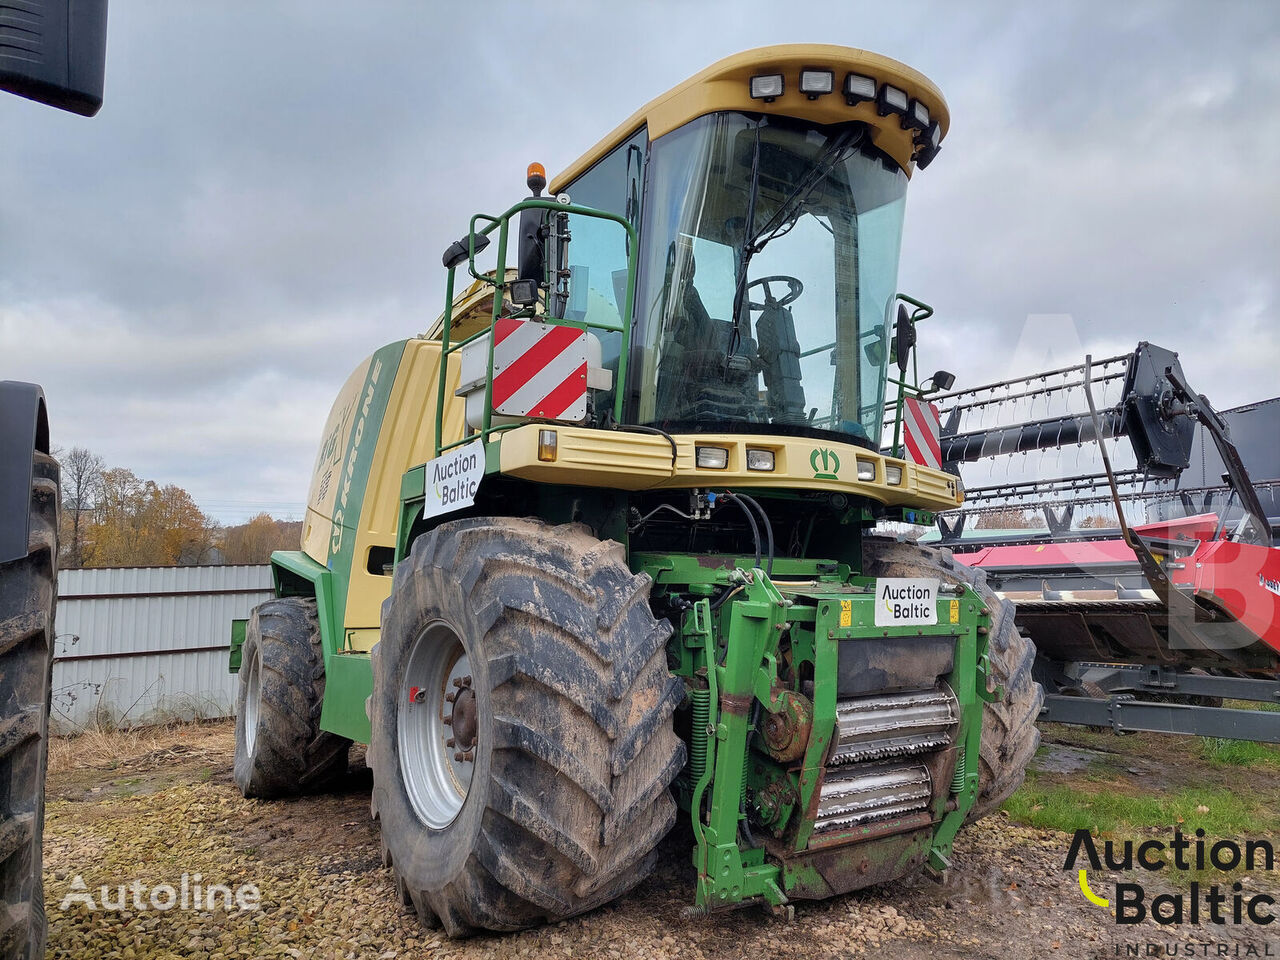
x=725, y=85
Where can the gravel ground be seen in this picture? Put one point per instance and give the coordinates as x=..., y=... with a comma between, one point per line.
x=166, y=806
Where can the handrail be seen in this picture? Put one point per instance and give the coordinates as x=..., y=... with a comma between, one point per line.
x=922, y=311
x=483, y=225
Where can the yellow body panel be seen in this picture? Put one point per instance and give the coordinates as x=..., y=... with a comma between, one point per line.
x=725, y=86
x=406, y=437
x=318, y=533
x=632, y=461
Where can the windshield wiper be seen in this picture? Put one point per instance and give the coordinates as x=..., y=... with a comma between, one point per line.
x=830, y=156
x=735, y=336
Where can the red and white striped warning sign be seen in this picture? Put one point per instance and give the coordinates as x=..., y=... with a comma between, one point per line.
x=539, y=370
x=921, y=427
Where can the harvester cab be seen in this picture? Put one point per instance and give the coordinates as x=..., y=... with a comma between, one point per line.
x=596, y=548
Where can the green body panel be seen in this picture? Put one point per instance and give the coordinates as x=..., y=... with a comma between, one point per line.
x=237, y=642
x=348, y=684
x=348, y=676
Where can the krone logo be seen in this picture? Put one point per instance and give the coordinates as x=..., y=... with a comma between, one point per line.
x=825, y=463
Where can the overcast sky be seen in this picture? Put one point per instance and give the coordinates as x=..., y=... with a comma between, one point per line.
x=265, y=195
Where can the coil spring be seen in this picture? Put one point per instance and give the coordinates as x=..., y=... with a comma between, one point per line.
x=957, y=778
x=700, y=717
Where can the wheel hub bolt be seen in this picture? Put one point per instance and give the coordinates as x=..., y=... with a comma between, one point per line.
x=463, y=718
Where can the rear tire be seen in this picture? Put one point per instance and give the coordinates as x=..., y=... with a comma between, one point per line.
x=1009, y=734
x=564, y=701
x=27, y=595
x=280, y=749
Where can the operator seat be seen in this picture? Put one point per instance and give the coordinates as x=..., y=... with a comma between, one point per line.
x=780, y=362
x=696, y=384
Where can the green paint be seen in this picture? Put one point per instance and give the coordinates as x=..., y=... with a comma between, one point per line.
x=484, y=225
x=348, y=684
x=371, y=406
x=237, y=642
x=825, y=463
x=348, y=676
x=730, y=658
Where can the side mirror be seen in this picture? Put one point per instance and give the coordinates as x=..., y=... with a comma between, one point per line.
x=531, y=237
x=460, y=250
x=60, y=54
x=904, y=338
x=531, y=246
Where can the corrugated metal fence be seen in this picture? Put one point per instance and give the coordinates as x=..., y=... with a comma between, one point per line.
x=143, y=644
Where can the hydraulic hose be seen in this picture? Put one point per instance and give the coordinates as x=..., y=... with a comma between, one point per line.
x=768, y=526
x=751, y=520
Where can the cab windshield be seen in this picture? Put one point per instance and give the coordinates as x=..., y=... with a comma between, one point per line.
x=767, y=280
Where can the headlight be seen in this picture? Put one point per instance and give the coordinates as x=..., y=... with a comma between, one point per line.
x=766, y=87
x=713, y=458
x=867, y=470
x=759, y=459
x=917, y=117
x=892, y=474
x=814, y=83
x=892, y=100
x=858, y=88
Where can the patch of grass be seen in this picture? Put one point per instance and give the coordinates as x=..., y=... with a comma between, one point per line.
x=1253, y=705
x=1238, y=753
x=99, y=747
x=1057, y=806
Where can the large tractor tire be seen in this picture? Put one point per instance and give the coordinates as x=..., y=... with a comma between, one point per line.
x=27, y=593
x=280, y=749
x=522, y=743
x=1009, y=734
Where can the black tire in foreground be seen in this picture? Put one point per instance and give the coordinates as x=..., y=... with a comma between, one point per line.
x=1009, y=734
x=522, y=738
x=27, y=594
x=280, y=749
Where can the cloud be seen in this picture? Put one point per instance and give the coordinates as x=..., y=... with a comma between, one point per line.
x=263, y=200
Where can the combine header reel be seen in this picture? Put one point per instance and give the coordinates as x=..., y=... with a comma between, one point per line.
x=1146, y=627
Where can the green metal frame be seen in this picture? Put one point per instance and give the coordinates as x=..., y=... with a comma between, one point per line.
x=729, y=660
x=498, y=281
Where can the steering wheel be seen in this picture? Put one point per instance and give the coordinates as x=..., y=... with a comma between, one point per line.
x=795, y=288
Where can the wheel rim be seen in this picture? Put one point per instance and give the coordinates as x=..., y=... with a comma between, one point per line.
x=437, y=725
x=252, y=697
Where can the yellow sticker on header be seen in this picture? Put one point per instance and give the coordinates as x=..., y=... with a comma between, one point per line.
x=846, y=613
x=955, y=611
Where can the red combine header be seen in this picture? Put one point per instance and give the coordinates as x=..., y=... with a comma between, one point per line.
x=1144, y=627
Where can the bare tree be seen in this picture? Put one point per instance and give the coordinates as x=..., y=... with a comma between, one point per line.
x=81, y=488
